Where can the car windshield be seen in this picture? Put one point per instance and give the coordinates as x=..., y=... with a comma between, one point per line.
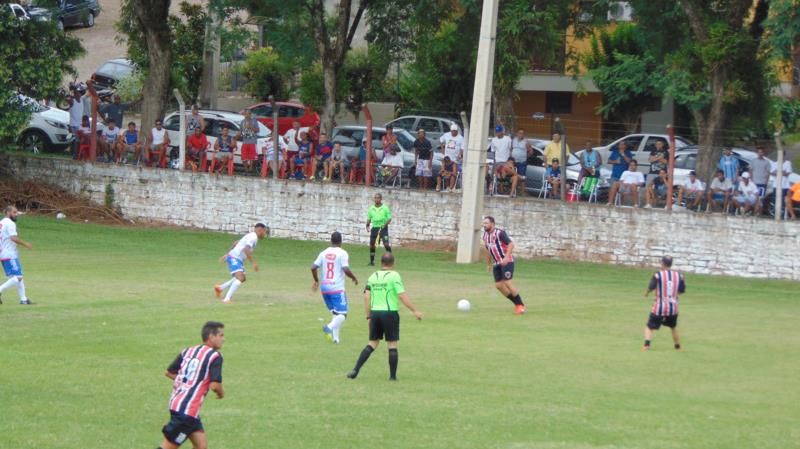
x=263, y=131
x=405, y=140
x=43, y=3
x=115, y=69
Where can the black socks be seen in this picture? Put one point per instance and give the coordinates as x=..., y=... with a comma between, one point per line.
x=516, y=299
x=362, y=358
x=393, y=363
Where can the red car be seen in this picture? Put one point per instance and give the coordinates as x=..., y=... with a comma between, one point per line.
x=288, y=112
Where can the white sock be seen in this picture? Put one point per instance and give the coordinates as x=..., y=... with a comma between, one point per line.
x=234, y=285
x=225, y=285
x=12, y=281
x=336, y=324
x=21, y=291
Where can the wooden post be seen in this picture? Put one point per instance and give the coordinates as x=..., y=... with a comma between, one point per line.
x=368, y=162
x=671, y=166
x=93, y=113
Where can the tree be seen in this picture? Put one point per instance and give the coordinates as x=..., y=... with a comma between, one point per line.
x=34, y=59
x=266, y=75
x=624, y=72
x=364, y=79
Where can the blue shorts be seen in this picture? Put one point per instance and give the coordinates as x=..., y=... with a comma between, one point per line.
x=12, y=267
x=336, y=302
x=234, y=265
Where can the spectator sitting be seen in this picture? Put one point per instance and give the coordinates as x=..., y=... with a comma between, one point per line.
x=508, y=172
x=590, y=162
x=746, y=194
x=224, y=148
x=84, y=134
x=792, y=198
x=729, y=165
x=358, y=164
x=629, y=183
x=334, y=162
x=391, y=165
x=129, y=142
x=196, y=147
x=657, y=189
x=620, y=157
x=719, y=192
x=108, y=144
x=305, y=153
x=158, y=143
x=692, y=191
x=446, y=181
x=292, y=139
x=323, y=153
x=553, y=174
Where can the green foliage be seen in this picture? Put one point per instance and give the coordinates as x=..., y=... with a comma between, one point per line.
x=130, y=88
x=34, y=59
x=266, y=74
x=783, y=23
x=787, y=112
x=311, y=89
x=286, y=28
x=364, y=78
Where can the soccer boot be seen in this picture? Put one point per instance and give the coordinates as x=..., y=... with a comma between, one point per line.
x=328, y=332
x=519, y=309
x=27, y=302
x=218, y=291
x=352, y=374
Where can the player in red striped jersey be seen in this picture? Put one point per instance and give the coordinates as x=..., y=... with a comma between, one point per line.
x=196, y=370
x=668, y=284
x=500, y=260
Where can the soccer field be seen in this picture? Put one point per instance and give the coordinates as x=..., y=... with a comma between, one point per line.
x=84, y=366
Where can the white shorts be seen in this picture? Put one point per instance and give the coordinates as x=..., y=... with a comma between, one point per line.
x=423, y=169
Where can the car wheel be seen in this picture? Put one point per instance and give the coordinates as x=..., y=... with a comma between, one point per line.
x=90, y=20
x=34, y=141
x=60, y=25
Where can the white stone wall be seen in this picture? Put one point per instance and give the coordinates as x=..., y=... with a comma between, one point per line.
x=699, y=243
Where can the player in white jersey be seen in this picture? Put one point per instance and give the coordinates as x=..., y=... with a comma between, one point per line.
x=335, y=264
x=241, y=249
x=9, y=255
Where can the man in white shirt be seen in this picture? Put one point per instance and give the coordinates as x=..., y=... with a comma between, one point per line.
x=241, y=249
x=9, y=256
x=746, y=194
x=692, y=190
x=453, y=144
x=628, y=184
x=719, y=192
x=108, y=144
x=787, y=171
x=335, y=264
x=392, y=164
x=500, y=146
x=157, y=145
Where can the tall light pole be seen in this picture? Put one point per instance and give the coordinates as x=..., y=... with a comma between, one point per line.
x=475, y=156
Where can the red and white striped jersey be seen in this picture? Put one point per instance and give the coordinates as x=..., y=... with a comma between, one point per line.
x=496, y=243
x=195, y=368
x=667, y=284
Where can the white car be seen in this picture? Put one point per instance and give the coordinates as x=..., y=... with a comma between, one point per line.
x=19, y=11
x=641, y=145
x=214, y=121
x=47, y=128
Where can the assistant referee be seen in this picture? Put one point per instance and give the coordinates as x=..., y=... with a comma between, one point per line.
x=378, y=218
x=384, y=289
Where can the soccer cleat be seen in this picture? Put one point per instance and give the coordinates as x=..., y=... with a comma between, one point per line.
x=371, y=264
x=217, y=291
x=519, y=309
x=226, y=301
x=1, y=298
x=27, y=302
x=392, y=379
x=328, y=332
x=645, y=348
x=352, y=374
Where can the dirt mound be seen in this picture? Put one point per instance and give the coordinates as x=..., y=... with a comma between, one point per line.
x=431, y=245
x=41, y=199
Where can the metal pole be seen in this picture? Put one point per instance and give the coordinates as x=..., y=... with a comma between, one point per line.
x=671, y=166
x=563, y=162
x=368, y=162
x=93, y=136
x=475, y=156
x=275, y=144
x=182, y=130
x=779, y=178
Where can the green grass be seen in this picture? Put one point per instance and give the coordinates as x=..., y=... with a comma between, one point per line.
x=84, y=367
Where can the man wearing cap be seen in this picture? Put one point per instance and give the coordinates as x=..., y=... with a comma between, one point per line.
x=500, y=146
x=692, y=190
x=746, y=194
x=553, y=150
x=452, y=144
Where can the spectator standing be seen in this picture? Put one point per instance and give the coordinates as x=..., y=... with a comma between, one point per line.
x=75, y=118
x=619, y=159
x=553, y=150
x=224, y=148
x=195, y=120
x=157, y=143
x=746, y=194
x=590, y=162
x=521, y=150
x=452, y=144
x=446, y=180
x=358, y=163
x=659, y=158
x=785, y=183
x=196, y=146
x=719, y=192
x=729, y=164
x=423, y=158
x=692, y=190
x=248, y=134
x=629, y=183
x=657, y=189
x=323, y=153
x=115, y=111
x=130, y=143
x=500, y=145
x=292, y=139
x=760, y=168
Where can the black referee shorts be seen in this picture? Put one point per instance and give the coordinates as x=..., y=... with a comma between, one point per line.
x=373, y=235
x=384, y=324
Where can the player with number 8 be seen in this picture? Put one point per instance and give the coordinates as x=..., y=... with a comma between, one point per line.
x=335, y=263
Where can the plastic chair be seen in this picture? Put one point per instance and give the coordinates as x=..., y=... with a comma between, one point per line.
x=546, y=187
x=592, y=189
x=214, y=163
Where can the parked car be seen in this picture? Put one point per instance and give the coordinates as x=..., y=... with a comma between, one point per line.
x=288, y=113
x=19, y=11
x=46, y=129
x=67, y=13
x=434, y=126
x=641, y=145
x=111, y=71
x=214, y=121
x=686, y=161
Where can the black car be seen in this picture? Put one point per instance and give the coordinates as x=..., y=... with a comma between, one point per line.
x=111, y=72
x=66, y=13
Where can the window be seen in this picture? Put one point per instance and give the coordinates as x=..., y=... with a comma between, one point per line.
x=211, y=127
x=651, y=143
x=558, y=102
x=262, y=111
x=686, y=161
x=173, y=123
x=403, y=123
x=430, y=125
x=633, y=141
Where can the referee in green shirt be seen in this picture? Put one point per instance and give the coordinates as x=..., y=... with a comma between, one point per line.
x=378, y=218
x=384, y=289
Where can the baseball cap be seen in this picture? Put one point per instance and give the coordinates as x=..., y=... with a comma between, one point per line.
x=453, y=127
x=498, y=128
x=692, y=173
x=745, y=175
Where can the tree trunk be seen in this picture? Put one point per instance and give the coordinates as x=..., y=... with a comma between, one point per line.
x=210, y=78
x=504, y=110
x=331, y=78
x=709, y=125
x=152, y=16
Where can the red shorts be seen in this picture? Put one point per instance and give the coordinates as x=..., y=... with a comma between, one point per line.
x=249, y=152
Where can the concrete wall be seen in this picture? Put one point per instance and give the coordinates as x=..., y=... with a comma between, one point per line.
x=700, y=243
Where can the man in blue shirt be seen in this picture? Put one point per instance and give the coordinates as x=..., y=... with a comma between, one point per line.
x=729, y=165
x=619, y=159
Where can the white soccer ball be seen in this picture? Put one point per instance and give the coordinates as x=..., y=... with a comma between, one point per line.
x=60, y=216
x=464, y=305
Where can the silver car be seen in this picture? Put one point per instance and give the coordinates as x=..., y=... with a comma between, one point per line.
x=434, y=126
x=641, y=145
